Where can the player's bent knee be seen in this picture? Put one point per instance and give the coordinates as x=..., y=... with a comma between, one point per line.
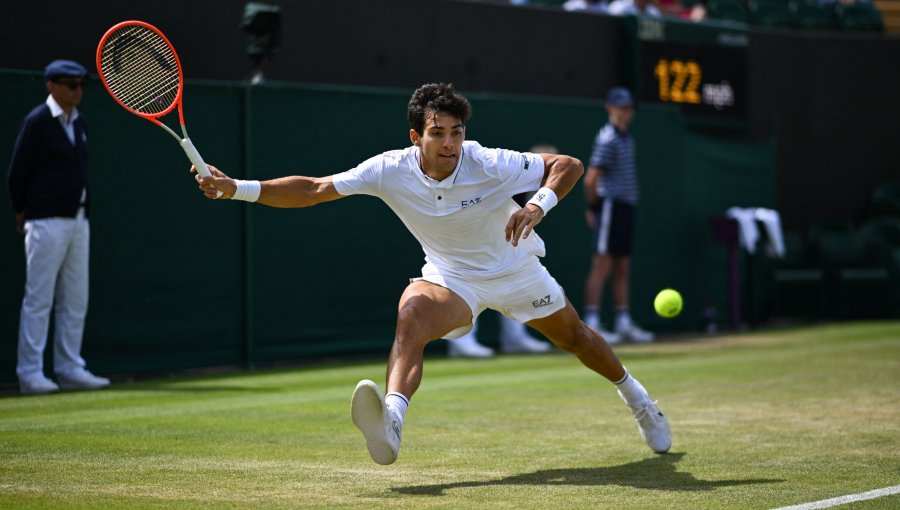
x=415, y=323
x=409, y=317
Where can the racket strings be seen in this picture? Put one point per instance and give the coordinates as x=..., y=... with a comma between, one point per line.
x=145, y=76
x=146, y=81
x=140, y=69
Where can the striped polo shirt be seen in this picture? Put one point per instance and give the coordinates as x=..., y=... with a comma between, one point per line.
x=614, y=152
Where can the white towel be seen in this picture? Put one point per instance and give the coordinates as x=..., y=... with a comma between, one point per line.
x=748, y=233
x=771, y=220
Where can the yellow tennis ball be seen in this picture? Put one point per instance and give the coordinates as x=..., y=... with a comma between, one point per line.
x=668, y=303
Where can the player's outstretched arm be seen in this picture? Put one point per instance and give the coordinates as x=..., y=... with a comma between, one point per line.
x=294, y=191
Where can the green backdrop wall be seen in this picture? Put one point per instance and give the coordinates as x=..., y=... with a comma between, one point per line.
x=178, y=281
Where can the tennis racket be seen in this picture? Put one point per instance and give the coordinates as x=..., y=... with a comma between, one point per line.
x=141, y=71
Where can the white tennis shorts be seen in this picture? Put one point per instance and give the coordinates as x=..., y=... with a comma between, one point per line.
x=523, y=295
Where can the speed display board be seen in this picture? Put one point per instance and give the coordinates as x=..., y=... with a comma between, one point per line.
x=700, y=68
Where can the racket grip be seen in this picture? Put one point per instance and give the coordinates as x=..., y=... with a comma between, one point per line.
x=194, y=156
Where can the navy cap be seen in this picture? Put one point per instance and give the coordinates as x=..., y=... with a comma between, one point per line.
x=60, y=68
x=619, y=96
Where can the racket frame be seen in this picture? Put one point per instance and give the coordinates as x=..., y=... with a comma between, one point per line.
x=184, y=142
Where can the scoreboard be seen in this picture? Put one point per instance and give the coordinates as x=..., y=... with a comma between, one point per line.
x=700, y=68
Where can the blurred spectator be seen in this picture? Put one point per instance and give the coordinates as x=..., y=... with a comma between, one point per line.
x=695, y=12
x=633, y=8
x=611, y=195
x=672, y=8
x=690, y=10
x=585, y=5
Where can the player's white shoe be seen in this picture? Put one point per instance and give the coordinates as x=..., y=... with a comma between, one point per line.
x=378, y=424
x=652, y=424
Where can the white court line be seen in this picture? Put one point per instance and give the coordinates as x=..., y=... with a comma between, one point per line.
x=843, y=500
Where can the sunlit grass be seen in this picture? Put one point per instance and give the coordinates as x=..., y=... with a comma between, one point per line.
x=759, y=421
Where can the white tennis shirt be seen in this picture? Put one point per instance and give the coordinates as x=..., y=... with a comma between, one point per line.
x=459, y=221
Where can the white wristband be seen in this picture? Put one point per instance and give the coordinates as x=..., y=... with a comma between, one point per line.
x=247, y=191
x=545, y=198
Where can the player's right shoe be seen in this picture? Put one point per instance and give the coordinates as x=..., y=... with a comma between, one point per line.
x=652, y=424
x=378, y=424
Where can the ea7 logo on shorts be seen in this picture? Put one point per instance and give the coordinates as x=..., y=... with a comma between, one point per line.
x=544, y=301
x=467, y=203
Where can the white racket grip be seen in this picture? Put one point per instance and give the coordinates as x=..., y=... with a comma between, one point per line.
x=196, y=160
x=194, y=156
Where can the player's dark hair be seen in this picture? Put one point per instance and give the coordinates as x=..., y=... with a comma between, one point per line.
x=434, y=98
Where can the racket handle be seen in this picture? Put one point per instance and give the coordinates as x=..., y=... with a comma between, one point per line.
x=194, y=156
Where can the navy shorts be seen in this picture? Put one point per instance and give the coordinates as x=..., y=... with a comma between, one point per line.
x=614, y=230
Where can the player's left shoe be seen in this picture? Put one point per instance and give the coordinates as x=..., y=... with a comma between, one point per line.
x=652, y=424
x=378, y=424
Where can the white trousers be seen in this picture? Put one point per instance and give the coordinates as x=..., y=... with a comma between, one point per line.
x=56, y=254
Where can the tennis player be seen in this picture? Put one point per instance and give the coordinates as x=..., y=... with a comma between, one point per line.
x=481, y=251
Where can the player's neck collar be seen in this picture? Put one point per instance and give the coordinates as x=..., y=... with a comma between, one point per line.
x=446, y=181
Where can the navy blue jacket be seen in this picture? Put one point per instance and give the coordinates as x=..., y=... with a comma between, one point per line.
x=47, y=173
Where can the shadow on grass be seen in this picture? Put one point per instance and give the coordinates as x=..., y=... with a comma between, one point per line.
x=656, y=473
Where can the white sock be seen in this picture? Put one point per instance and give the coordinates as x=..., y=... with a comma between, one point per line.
x=632, y=390
x=592, y=317
x=397, y=403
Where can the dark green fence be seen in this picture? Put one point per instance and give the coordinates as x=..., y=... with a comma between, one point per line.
x=178, y=281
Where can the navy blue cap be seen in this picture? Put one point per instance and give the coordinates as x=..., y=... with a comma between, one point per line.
x=619, y=96
x=60, y=68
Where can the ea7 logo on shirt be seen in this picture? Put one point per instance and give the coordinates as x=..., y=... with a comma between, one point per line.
x=544, y=301
x=526, y=162
x=467, y=203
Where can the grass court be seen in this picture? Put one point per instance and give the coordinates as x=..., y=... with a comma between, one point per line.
x=759, y=420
